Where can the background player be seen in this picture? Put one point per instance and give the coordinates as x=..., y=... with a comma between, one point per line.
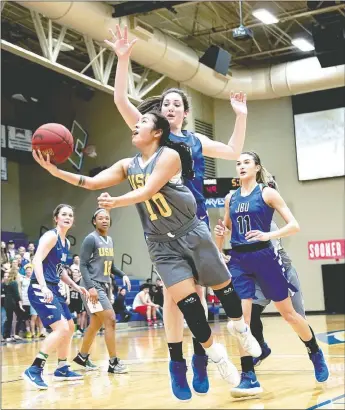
x=96, y=265
x=76, y=304
x=248, y=214
x=44, y=296
x=174, y=105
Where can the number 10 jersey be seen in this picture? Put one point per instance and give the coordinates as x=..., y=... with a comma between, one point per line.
x=170, y=208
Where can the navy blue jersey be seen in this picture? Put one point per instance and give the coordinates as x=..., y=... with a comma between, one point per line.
x=54, y=261
x=249, y=213
x=195, y=184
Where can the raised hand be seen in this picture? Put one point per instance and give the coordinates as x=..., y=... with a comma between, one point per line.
x=119, y=43
x=238, y=102
x=45, y=163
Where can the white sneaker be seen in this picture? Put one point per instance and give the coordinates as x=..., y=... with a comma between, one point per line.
x=248, y=342
x=225, y=367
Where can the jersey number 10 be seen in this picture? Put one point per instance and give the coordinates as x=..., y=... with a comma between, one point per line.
x=162, y=205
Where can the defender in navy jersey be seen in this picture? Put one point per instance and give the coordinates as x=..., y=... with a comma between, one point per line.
x=248, y=214
x=50, y=305
x=174, y=105
x=96, y=266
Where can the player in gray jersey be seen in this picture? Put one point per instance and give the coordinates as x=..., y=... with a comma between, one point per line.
x=180, y=246
x=96, y=266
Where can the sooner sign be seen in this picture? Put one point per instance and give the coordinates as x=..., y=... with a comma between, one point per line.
x=330, y=249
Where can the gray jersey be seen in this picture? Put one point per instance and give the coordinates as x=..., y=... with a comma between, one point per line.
x=96, y=259
x=277, y=243
x=170, y=208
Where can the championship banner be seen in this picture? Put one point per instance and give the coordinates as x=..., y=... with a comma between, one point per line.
x=329, y=249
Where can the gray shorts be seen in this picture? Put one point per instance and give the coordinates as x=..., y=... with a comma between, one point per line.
x=103, y=290
x=192, y=255
x=297, y=298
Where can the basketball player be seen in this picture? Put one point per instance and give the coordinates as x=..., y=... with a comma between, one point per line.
x=167, y=209
x=260, y=302
x=174, y=105
x=96, y=265
x=44, y=296
x=248, y=214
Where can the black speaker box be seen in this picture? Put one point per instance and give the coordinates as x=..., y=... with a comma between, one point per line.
x=329, y=41
x=217, y=59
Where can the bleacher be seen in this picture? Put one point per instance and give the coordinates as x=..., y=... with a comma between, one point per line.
x=135, y=317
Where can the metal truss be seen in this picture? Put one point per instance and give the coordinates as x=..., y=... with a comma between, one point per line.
x=101, y=61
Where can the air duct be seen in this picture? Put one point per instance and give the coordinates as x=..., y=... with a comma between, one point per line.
x=174, y=59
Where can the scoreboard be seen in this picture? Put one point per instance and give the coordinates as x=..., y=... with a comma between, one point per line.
x=220, y=187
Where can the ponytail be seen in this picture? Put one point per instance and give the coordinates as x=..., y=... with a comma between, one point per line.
x=150, y=104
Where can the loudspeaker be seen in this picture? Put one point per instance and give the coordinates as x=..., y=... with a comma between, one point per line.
x=217, y=59
x=329, y=41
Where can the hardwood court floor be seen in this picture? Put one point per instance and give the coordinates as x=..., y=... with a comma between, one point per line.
x=286, y=376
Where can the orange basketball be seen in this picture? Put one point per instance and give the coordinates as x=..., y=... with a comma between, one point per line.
x=55, y=140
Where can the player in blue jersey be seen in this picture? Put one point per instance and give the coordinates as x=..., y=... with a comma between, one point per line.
x=248, y=214
x=174, y=105
x=50, y=305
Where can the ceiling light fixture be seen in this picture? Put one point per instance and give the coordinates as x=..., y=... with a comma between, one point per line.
x=303, y=44
x=265, y=16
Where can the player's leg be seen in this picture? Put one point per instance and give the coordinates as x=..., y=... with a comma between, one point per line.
x=63, y=371
x=256, y=324
x=306, y=334
x=82, y=357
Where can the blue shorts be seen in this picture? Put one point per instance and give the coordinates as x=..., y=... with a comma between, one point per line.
x=201, y=213
x=51, y=312
x=263, y=266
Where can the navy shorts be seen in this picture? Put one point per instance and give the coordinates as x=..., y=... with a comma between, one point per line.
x=201, y=213
x=263, y=266
x=51, y=312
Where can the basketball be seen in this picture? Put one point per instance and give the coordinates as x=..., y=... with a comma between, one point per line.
x=55, y=140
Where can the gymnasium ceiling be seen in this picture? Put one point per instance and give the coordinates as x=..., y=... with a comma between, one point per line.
x=198, y=24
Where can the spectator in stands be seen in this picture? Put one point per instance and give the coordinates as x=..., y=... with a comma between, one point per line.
x=21, y=251
x=158, y=297
x=76, y=305
x=31, y=249
x=76, y=263
x=25, y=282
x=26, y=259
x=142, y=304
x=11, y=250
x=120, y=305
x=13, y=304
x=19, y=264
x=4, y=279
x=4, y=257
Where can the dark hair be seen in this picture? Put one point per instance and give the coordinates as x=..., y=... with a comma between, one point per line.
x=58, y=209
x=98, y=210
x=155, y=103
x=262, y=176
x=74, y=255
x=145, y=286
x=161, y=123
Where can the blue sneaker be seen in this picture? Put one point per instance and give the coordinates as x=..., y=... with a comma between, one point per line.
x=64, y=373
x=320, y=366
x=249, y=386
x=179, y=384
x=266, y=351
x=200, y=378
x=34, y=376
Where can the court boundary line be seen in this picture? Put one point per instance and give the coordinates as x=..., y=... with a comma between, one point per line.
x=317, y=406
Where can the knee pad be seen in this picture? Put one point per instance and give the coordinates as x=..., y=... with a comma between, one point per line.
x=194, y=314
x=230, y=301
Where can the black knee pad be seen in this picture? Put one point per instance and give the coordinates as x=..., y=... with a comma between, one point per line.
x=230, y=301
x=194, y=314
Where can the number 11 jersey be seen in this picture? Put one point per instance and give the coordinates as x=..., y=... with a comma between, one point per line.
x=249, y=213
x=170, y=208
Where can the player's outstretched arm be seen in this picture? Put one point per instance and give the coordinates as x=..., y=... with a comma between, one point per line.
x=105, y=179
x=167, y=166
x=217, y=149
x=122, y=48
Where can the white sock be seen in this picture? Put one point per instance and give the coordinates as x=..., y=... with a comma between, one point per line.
x=213, y=353
x=240, y=325
x=61, y=363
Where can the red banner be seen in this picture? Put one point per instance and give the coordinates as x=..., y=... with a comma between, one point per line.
x=330, y=249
